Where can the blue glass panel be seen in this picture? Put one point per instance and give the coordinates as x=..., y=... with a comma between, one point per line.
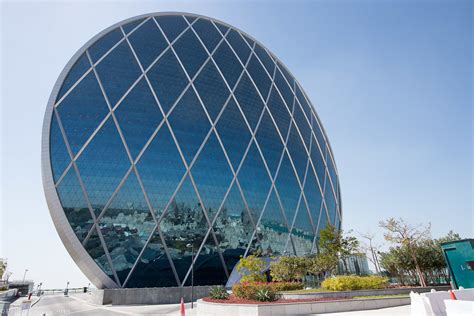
x=290, y=248
x=303, y=125
x=265, y=59
x=161, y=169
x=82, y=111
x=148, y=42
x=212, y=185
x=254, y=182
x=126, y=226
x=190, y=52
x=259, y=76
x=221, y=27
x=249, y=40
x=279, y=112
x=317, y=160
x=60, y=158
x=313, y=195
x=172, y=25
x=338, y=222
x=284, y=89
x=305, y=105
x=208, y=33
x=190, y=19
x=332, y=171
x=103, y=44
x=228, y=64
x=190, y=124
x=80, y=67
x=323, y=220
x=233, y=228
x=272, y=229
x=319, y=135
x=269, y=142
x=339, y=197
x=330, y=201
x=95, y=249
x=302, y=233
x=167, y=79
x=153, y=269
x=74, y=205
x=212, y=89
x=138, y=116
x=117, y=72
x=249, y=101
x=127, y=28
x=184, y=223
x=208, y=267
x=297, y=152
x=287, y=75
x=288, y=188
x=102, y=165
x=233, y=133
x=238, y=44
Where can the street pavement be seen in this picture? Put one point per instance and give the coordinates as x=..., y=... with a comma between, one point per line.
x=391, y=311
x=55, y=305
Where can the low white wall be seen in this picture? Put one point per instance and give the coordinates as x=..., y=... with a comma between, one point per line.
x=301, y=308
x=350, y=294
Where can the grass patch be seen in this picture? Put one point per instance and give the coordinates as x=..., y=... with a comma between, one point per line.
x=318, y=290
x=383, y=296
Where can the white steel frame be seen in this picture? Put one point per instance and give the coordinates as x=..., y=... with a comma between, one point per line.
x=76, y=248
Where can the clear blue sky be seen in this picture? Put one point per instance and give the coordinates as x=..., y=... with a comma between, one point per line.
x=391, y=81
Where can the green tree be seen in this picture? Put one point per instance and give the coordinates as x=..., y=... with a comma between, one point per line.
x=3, y=266
x=289, y=268
x=349, y=246
x=251, y=269
x=403, y=234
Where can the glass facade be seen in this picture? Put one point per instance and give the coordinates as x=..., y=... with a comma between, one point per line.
x=172, y=131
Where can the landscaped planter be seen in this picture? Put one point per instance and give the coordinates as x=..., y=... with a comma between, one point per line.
x=298, y=308
x=350, y=294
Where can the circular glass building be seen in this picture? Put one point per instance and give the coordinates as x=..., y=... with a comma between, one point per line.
x=168, y=135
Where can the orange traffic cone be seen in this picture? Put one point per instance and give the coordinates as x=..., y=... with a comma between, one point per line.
x=451, y=295
x=182, y=310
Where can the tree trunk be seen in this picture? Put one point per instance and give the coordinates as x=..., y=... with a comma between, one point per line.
x=421, y=276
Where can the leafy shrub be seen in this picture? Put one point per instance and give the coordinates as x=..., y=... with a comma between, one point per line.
x=251, y=269
x=354, y=282
x=218, y=293
x=265, y=295
x=286, y=286
x=249, y=290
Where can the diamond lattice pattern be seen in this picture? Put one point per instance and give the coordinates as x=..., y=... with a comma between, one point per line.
x=183, y=132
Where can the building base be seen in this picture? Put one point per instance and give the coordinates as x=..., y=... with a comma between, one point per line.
x=145, y=296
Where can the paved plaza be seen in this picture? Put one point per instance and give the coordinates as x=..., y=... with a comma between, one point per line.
x=74, y=305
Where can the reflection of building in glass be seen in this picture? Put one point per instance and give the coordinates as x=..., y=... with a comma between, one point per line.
x=355, y=264
x=169, y=130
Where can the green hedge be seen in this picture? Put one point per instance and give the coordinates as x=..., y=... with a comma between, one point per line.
x=354, y=282
x=249, y=290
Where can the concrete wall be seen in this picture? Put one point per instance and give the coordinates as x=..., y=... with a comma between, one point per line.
x=349, y=294
x=149, y=296
x=215, y=309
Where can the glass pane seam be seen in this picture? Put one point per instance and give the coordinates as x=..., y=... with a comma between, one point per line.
x=170, y=259
x=136, y=27
x=61, y=177
x=94, y=219
x=91, y=137
x=72, y=87
x=139, y=256
x=86, y=198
